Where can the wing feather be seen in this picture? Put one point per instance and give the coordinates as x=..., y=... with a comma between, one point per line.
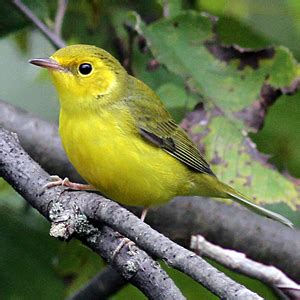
x=173, y=139
x=155, y=124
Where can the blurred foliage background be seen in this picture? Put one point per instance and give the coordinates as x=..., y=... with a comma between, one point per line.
x=35, y=266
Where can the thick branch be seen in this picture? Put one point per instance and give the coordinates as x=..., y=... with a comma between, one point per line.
x=28, y=179
x=39, y=138
x=239, y=262
x=104, y=284
x=228, y=226
x=56, y=41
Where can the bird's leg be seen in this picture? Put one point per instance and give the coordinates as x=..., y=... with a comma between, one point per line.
x=144, y=213
x=57, y=181
x=125, y=240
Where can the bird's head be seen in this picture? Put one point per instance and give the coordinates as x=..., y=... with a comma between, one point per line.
x=83, y=73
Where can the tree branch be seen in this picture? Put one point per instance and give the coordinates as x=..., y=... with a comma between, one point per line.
x=34, y=135
x=28, y=178
x=104, y=284
x=71, y=210
x=239, y=262
x=230, y=227
x=59, y=17
x=235, y=227
x=55, y=40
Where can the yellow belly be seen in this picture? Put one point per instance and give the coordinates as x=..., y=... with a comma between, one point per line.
x=110, y=155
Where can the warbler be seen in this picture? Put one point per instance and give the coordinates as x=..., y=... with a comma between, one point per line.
x=122, y=140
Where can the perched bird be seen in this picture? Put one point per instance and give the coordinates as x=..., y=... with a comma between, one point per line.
x=121, y=139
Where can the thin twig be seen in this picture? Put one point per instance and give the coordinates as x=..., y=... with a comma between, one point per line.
x=59, y=17
x=131, y=37
x=166, y=8
x=56, y=41
x=74, y=209
x=103, y=285
x=239, y=262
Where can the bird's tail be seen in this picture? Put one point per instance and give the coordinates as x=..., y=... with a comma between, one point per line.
x=243, y=200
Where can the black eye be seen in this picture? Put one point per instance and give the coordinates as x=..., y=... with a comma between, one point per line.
x=85, y=69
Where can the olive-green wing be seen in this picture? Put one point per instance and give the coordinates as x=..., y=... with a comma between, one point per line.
x=173, y=139
x=155, y=124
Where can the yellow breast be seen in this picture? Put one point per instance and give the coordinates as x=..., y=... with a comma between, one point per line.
x=108, y=152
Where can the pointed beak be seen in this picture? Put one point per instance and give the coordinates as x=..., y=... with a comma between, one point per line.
x=47, y=63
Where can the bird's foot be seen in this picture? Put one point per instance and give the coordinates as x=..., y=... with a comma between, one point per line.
x=57, y=181
x=124, y=241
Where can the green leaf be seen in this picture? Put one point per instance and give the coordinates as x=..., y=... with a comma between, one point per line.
x=235, y=160
x=279, y=23
x=242, y=35
x=231, y=80
x=169, y=86
x=283, y=141
x=175, y=99
x=232, y=83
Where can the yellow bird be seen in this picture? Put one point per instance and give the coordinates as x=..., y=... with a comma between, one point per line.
x=121, y=139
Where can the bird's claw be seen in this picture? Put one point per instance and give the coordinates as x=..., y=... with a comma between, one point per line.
x=57, y=181
x=124, y=241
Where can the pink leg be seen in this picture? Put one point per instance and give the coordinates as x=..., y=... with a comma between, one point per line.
x=57, y=181
x=144, y=213
x=126, y=240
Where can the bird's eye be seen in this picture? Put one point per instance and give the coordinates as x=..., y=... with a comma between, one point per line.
x=85, y=69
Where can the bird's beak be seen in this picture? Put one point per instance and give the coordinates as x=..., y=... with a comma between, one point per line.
x=48, y=63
